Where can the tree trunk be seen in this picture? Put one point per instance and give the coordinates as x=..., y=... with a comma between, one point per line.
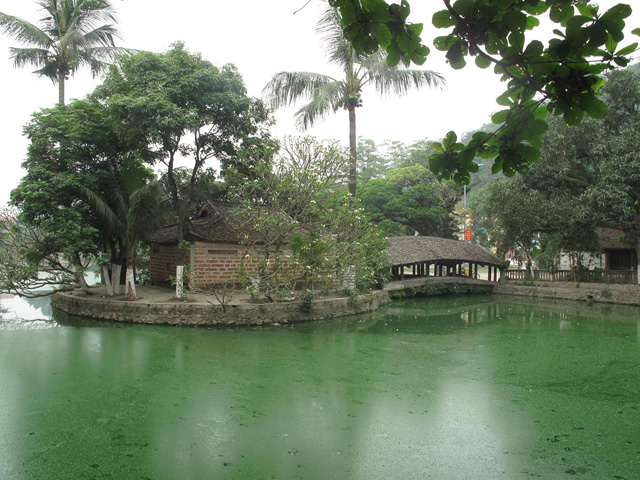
x=353, y=152
x=179, y=281
x=107, y=280
x=638, y=261
x=130, y=287
x=115, y=277
x=61, y=79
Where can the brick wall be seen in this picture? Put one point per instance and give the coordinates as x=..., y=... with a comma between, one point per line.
x=162, y=262
x=211, y=263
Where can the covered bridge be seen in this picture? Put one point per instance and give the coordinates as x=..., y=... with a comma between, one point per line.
x=413, y=257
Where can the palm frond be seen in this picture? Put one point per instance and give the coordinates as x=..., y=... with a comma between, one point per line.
x=398, y=80
x=37, y=57
x=146, y=213
x=327, y=99
x=103, y=210
x=102, y=36
x=285, y=88
x=24, y=32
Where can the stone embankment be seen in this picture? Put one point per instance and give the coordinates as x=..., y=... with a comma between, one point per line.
x=155, y=306
x=584, y=292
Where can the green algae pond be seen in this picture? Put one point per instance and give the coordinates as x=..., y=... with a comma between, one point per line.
x=474, y=387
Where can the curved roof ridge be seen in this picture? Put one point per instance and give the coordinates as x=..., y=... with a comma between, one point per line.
x=411, y=250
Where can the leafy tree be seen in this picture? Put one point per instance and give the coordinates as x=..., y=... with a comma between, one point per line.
x=561, y=78
x=311, y=234
x=411, y=196
x=585, y=178
x=29, y=265
x=370, y=163
x=327, y=94
x=184, y=108
x=71, y=148
x=129, y=216
x=613, y=199
x=72, y=34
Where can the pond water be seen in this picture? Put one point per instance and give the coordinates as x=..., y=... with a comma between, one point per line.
x=475, y=387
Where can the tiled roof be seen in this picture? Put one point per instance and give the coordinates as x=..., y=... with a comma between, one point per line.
x=410, y=250
x=610, y=239
x=216, y=222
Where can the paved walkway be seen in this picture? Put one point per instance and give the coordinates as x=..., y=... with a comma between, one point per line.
x=153, y=294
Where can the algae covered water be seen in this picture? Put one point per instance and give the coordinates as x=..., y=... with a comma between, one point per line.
x=444, y=388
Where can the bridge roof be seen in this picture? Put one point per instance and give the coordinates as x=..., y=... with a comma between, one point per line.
x=411, y=250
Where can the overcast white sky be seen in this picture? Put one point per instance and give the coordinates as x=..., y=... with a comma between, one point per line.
x=261, y=38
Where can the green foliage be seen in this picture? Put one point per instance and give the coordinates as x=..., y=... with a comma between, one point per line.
x=311, y=235
x=306, y=302
x=562, y=77
x=361, y=66
x=587, y=178
x=411, y=196
x=71, y=36
x=181, y=105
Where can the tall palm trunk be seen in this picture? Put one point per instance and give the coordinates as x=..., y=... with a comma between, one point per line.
x=353, y=152
x=61, y=79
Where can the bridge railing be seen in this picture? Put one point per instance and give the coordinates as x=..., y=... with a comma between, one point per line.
x=586, y=276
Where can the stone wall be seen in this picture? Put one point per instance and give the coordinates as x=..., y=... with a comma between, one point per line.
x=178, y=313
x=585, y=292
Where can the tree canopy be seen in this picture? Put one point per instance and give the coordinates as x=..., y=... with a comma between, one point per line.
x=327, y=94
x=587, y=177
x=185, y=109
x=73, y=34
x=562, y=77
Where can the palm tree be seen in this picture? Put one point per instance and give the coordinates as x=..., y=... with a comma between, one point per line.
x=129, y=217
x=327, y=94
x=72, y=34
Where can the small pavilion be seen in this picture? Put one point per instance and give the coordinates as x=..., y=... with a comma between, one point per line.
x=414, y=257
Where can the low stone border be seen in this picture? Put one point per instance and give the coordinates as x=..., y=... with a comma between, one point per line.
x=176, y=313
x=585, y=292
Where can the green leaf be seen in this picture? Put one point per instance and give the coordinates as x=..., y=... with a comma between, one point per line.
x=593, y=106
x=621, y=61
x=532, y=22
x=445, y=42
x=455, y=56
x=382, y=34
x=482, y=62
x=500, y=117
x=617, y=13
x=587, y=10
x=516, y=40
x=628, y=49
x=497, y=164
x=534, y=49
x=573, y=116
x=561, y=13
x=450, y=140
x=464, y=7
x=443, y=19
x=539, y=127
x=611, y=45
x=535, y=8
x=598, y=35
x=636, y=31
x=530, y=154
x=407, y=44
x=515, y=21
